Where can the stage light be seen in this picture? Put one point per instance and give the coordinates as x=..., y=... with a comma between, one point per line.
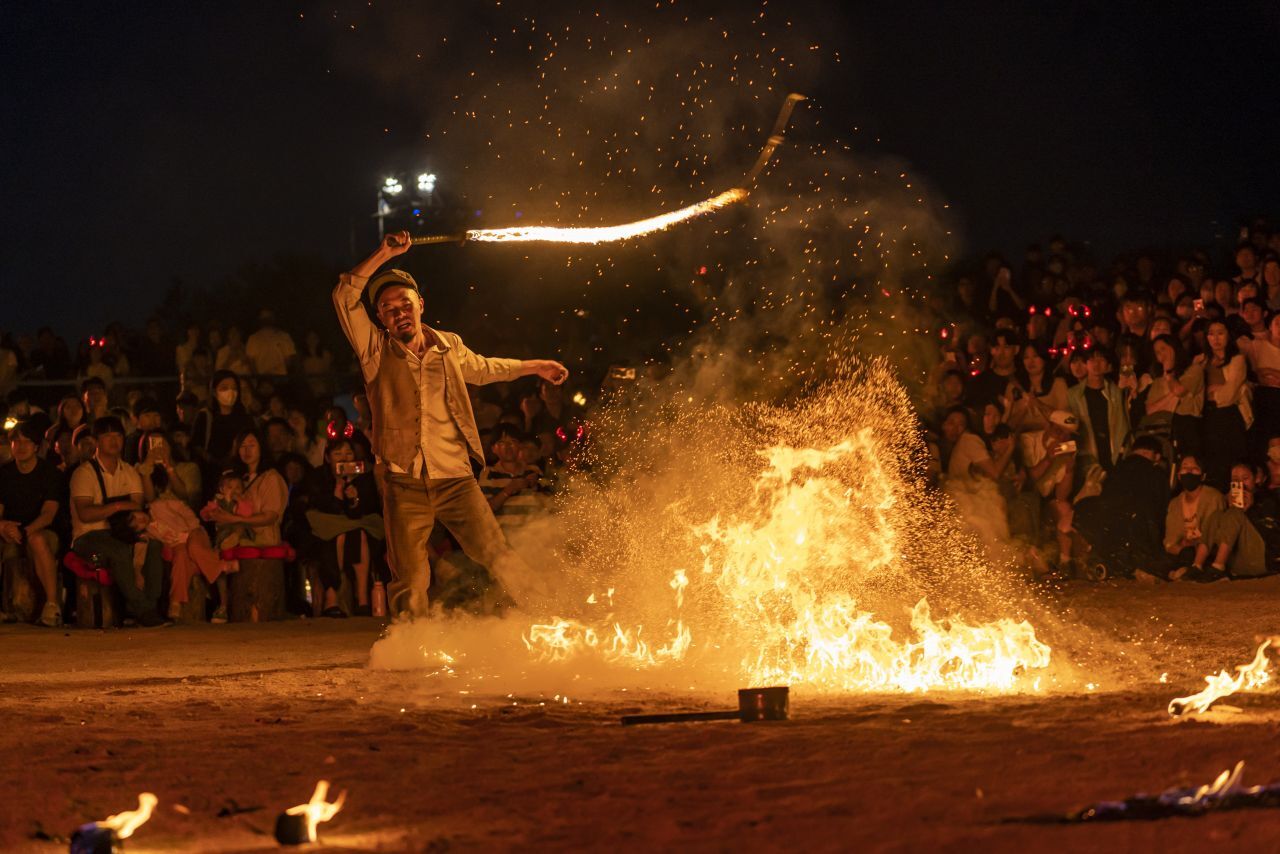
x=392, y=187
x=427, y=182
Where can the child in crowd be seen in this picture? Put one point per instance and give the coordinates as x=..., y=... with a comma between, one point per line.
x=231, y=498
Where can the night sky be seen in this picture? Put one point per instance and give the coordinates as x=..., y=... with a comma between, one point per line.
x=189, y=139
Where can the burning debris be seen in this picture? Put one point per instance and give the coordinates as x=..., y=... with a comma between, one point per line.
x=297, y=825
x=1224, y=793
x=104, y=837
x=1248, y=677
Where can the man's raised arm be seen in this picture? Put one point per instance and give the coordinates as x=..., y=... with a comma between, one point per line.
x=348, y=296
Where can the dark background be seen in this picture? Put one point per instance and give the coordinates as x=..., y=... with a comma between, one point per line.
x=144, y=144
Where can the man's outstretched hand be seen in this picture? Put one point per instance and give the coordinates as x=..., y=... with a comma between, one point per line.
x=549, y=369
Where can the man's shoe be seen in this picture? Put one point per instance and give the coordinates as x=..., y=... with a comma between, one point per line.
x=51, y=616
x=151, y=620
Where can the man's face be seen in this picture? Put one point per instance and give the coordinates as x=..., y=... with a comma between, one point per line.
x=1098, y=366
x=110, y=444
x=278, y=439
x=400, y=311
x=1245, y=259
x=1135, y=315
x=1251, y=313
x=1003, y=352
x=23, y=449
x=507, y=449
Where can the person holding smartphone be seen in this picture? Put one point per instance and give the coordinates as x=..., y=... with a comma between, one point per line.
x=344, y=514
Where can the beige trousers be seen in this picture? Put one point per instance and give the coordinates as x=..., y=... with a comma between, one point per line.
x=413, y=506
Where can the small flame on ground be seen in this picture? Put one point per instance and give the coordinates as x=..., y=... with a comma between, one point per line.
x=125, y=823
x=606, y=233
x=1248, y=677
x=1226, y=785
x=318, y=809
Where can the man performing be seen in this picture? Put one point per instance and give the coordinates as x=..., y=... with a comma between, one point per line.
x=424, y=432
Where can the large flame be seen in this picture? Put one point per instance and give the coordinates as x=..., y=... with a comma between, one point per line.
x=1248, y=677
x=125, y=823
x=318, y=809
x=777, y=585
x=606, y=233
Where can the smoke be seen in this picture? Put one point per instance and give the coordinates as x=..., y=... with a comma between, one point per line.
x=797, y=323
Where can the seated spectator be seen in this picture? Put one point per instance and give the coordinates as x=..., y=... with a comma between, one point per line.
x=279, y=437
x=345, y=517
x=186, y=405
x=30, y=491
x=265, y=490
x=1246, y=534
x=164, y=472
x=68, y=416
x=1124, y=525
x=1099, y=406
x=1189, y=526
x=101, y=488
x=511, y=485
x=146, y=413
x=94, y=394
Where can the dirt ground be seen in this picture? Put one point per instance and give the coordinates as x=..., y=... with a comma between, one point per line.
x=228, y=725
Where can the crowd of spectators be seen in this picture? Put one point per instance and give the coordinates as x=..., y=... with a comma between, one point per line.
x=1108, y=423
x=161, y=460
x=1119, y=422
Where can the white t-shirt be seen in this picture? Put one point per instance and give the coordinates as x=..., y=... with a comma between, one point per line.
x=1033, y=452
x=123, y=481
x=269, y=349
x=969, y=449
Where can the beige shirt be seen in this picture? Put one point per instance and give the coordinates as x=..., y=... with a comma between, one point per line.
x=121, y=483
x=442, y=452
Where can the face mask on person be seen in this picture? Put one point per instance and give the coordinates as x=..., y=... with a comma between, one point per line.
x=226, y=396
x=1191, y=481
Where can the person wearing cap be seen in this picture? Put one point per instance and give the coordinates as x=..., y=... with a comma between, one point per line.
x=101, y=487
x=424, y=430
x=29, y=492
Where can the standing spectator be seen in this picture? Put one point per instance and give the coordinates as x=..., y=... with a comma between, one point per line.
x=991, y=385
x=95, y=366
x=100, y=488
x=30, y=489
x=232, y=356
x=1037, y=392
x=1099, y=405
x=1263, y=355
x=8, y=367
x=271, y=349
x=51, y=356
x=154, y=354
x=1227, y=413
x=195, y=375
x=317, y=364
x=216, y=427
x=1004, y=300
x=1171, y=398
x=182, y=353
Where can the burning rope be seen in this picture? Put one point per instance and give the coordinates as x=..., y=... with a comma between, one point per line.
x=611, y=233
